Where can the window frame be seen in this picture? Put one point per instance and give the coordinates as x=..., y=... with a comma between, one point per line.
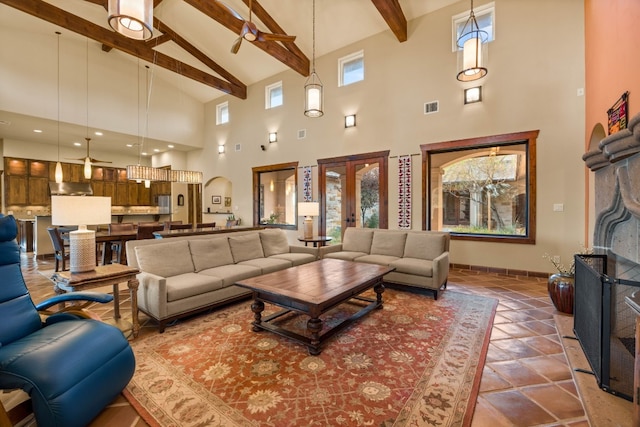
x=267, y=95
x=461, y=18
x=528, y=138
x=346, y=59
x=219, y=109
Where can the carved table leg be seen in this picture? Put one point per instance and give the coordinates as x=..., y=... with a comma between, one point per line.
x=379, y=289
x=133, y=289
x=257, y=307
x=116, y=301
x=314, y=326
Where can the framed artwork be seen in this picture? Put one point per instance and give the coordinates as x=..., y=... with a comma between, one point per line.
x=216, y=200
x=618, y=114
x=227, y=202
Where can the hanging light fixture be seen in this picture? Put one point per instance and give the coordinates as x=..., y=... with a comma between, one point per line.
x=87, y=160
x=313, y=100
x=132, y=18
x=58, y=173
x=472, y=41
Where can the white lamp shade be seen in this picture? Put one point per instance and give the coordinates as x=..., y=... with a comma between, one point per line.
x=472, y=55
x=308, y=209
x=58, y=174
x=87, y=168
x=132, y=18
x=80, y=210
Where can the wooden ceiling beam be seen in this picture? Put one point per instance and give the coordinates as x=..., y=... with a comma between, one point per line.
x=108, y=38
x=393, y=15
x=297, y=62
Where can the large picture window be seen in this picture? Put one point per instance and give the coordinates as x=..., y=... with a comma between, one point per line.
x=482, y=188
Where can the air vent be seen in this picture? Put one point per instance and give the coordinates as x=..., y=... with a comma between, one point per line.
x=238, y=147
x=431, y=107
x=302, y=134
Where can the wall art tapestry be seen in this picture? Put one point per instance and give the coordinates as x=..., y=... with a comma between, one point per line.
x=306, y=184
x=618, y=114
x=404, y=192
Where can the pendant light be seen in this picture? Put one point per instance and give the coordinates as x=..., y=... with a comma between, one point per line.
x=87, y=160
x=472, y=41
x=132, y=18
x=313, y=100
x=58, y=173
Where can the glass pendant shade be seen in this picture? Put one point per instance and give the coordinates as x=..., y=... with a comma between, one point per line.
x=58, y=173
x=87, y=168
x=313, y=105
x=132, y=18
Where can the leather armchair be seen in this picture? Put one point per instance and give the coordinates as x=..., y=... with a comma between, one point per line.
x=71, y=367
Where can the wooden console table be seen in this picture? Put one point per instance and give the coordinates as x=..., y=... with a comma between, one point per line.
x=104, y=275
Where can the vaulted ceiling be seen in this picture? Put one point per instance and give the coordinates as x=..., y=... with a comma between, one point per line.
x=193, y=37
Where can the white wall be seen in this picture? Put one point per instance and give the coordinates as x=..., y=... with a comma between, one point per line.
x=536, y=65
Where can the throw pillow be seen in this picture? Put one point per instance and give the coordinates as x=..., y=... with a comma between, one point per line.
x=165, y=259
x=357, y=240
x=424, y=245
x=246, y=247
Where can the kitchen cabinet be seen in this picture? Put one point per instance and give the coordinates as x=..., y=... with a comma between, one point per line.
x=15, y=190
x=38, y=191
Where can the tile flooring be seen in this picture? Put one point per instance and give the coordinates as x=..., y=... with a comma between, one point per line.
x=526, y=379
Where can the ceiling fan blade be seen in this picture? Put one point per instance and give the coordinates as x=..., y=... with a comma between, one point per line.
x=275, y=37
x=92, y=160
x=236, y=45
x=233, y=12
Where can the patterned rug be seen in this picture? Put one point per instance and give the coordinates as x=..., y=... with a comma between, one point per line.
x=415, y=362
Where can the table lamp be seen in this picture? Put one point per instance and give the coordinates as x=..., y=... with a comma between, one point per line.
x=81, y=211
x=308, y=210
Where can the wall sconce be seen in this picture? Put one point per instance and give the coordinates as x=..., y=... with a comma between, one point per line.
x=221, y=149
x=473, y=94
x=273, y=137
x=350, y=121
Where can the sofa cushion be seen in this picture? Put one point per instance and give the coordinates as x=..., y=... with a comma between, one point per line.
x=191, y=284
x=268, y=265
x=419, y=267
x=296, y=258
x=154, y=258
x=424, y=245
x=209, y=253
x=345, y=255
x=274, y=242
x=377, y=259
x=246, y=247
x=388, y=243
x=232, y=273
x=357, y=240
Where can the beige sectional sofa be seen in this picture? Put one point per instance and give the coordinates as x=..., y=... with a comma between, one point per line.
x=420, y=258
x=181, y=276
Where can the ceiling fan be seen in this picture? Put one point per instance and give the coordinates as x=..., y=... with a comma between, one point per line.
x=251, y=33
x=88, y=158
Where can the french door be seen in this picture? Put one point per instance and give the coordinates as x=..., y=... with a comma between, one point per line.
x=353, y=193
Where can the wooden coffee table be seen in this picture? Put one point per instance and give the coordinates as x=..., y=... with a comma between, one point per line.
x=314, y=289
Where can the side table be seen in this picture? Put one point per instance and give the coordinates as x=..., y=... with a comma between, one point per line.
x=104, y=275
x=316, y=240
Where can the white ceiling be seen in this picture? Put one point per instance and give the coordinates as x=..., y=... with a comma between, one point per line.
x=338, y=24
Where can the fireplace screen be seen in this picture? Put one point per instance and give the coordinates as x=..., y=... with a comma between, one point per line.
x=604, y=324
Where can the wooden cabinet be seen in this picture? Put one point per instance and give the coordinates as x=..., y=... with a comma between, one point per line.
x=27, y=183
x=15, y=190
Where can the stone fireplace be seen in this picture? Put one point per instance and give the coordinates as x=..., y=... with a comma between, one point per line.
x=603, y=322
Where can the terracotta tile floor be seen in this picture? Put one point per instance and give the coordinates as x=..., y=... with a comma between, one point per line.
x=526, y=379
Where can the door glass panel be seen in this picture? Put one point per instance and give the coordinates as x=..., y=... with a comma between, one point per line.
x=367, y=195
x=334, y=187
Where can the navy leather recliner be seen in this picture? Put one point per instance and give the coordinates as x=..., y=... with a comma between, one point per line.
x=71, y=367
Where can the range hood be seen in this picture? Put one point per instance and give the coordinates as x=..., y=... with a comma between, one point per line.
x=70, y=189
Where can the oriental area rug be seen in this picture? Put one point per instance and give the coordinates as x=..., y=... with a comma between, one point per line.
x=415, y=362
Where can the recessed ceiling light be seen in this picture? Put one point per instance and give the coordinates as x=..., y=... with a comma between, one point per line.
x=157, y=150
x=77, y=144
x=170, y=146
x=98, y=133
x=37, y=130
x=129, y=145
x=144, y=153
